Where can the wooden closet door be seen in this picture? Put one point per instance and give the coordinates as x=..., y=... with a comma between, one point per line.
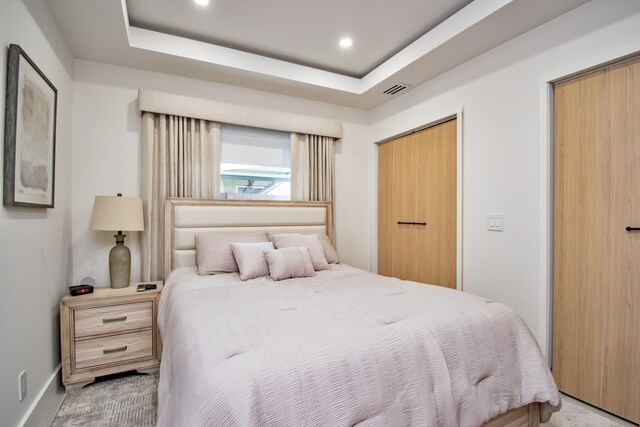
x=621, y=353
x=581, y=167
x=438, y=204
x=408, y=191
x=417, y=183
x=385, y=209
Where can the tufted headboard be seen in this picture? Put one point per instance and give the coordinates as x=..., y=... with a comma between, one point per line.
x=184, y=218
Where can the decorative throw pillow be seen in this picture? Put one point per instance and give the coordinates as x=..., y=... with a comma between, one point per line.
x=311, y=241
x=213, y=250
x=250, y=259
x=329, y=251
x=287, y=263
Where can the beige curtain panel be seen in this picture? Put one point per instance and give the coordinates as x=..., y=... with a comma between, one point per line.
x=299, y=166
x=180, y=158
x=312, y=168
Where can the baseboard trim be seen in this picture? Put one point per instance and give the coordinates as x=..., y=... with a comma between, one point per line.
x=46, y=404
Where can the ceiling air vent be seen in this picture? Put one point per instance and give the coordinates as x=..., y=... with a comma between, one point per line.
x=396, y=88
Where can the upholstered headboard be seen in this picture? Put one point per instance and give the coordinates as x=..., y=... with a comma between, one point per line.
x=184, y=218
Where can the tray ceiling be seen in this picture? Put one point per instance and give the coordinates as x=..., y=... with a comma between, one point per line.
x=302, y=32
x=291, y=47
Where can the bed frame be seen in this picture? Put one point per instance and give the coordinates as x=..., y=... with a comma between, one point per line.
x=184, y=218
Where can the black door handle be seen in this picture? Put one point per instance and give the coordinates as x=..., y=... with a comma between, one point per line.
x=411, y=223
x=632, y=229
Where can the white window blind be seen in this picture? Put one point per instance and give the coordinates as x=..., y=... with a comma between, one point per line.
x=255, y=163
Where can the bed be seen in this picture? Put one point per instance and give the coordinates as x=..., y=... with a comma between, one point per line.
x=343, y=348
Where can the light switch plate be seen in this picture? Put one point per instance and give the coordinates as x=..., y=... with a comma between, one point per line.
x=495, y=222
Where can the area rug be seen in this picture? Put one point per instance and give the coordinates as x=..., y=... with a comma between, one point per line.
x=128, y=400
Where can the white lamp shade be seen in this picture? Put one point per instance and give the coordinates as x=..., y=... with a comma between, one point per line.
x=116, y=213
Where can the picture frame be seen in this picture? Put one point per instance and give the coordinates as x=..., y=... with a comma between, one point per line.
x=29, y=133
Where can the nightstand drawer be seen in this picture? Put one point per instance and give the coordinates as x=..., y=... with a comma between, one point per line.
x=114, y=318
x=117, y=348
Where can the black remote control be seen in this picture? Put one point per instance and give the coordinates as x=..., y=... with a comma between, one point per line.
x=146, y=286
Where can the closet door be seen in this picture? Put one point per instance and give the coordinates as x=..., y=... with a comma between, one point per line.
x=417, y=206
x=438, y=204
x=581, y=167
x=385, y=209
x=621, y=352
x=409, y=240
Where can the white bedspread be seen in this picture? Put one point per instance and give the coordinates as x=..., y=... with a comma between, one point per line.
x=343, y=348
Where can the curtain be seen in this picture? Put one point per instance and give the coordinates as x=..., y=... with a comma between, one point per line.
x=312, y=168
x=180, y=158
x=299, y=166
x=321, y=168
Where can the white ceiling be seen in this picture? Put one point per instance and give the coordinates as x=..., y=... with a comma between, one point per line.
x=290, y=46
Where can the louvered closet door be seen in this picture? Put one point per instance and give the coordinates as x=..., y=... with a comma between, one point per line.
x=417, y=206
x=596, y=353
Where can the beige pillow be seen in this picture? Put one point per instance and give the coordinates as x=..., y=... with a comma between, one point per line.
x=329, y=251
x=300, y=240
x=287, y=263
x=250, y=259
x=213, y=250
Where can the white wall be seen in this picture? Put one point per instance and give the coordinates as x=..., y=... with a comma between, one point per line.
x=500, y=93
x=35, y=255
x=106, y=151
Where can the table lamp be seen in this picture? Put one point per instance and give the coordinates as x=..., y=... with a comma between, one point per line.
x=117, y=213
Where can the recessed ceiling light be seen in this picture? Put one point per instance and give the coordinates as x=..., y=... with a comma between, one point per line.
x=346, y=42
x=202, y=2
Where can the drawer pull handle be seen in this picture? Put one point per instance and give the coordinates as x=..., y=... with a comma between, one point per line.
x=114, y=350
x=114, y=319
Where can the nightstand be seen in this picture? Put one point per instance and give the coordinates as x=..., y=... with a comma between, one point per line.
x=107, y=332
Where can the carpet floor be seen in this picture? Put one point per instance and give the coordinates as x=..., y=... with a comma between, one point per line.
x=130, y=400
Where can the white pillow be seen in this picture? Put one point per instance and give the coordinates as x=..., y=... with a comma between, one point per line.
x=250, y=259
x=300, y=240
x=287, y=263
x=213, y=250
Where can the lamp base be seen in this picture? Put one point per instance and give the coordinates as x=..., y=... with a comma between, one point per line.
x=120, y=263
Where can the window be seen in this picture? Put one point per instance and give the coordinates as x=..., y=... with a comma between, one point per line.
x=255, y=163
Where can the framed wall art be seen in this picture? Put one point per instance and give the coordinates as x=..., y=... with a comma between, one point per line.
x=30, y=134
